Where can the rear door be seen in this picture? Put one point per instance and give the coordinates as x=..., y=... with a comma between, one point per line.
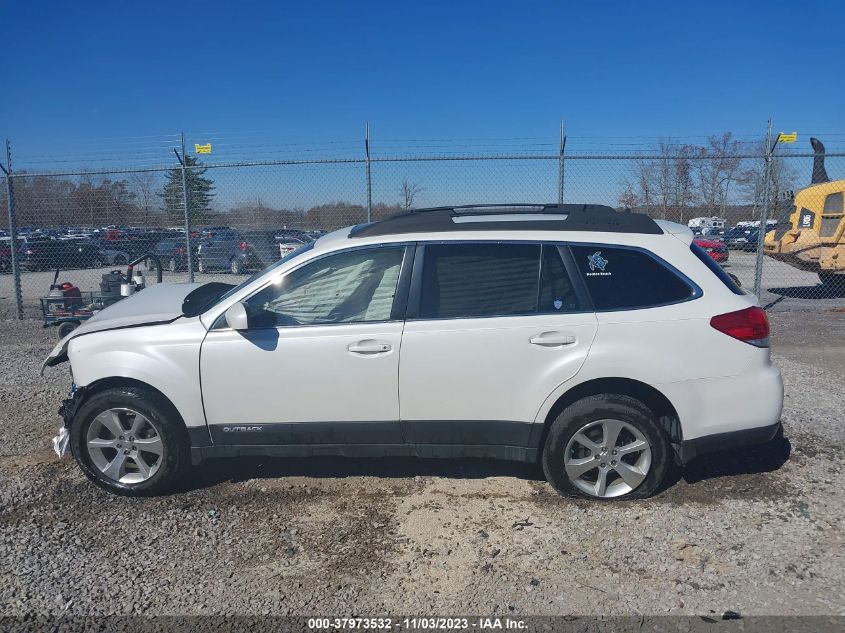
x=492, y=330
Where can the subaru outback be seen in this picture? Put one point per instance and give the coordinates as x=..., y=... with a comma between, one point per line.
x=602, y=345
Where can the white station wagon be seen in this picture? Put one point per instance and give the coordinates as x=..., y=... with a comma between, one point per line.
x=602, y=344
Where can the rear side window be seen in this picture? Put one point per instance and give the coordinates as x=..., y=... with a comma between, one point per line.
x=717, y=270
x=628, y=279
x=487, y=280
x=479, y=280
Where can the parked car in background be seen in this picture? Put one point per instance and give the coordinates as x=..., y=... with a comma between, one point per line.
x=287, y=245
x=5, y=258
x=237, y=251
x=114, y=256
x=46, y=253
x=173, y=254
x=737, y=237
x=6, y=253
x=714, y=234
x=716, y=249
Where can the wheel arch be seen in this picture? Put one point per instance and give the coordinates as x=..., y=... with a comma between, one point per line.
x=192, y=434
x=651, y=397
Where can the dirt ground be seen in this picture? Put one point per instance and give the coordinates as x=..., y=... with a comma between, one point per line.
x=757, y=531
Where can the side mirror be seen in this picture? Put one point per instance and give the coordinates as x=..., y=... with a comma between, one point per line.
x=237, y=318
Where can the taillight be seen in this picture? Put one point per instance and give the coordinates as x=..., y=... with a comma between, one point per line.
x=243, y=246
x=180, y=251
x=750, y=325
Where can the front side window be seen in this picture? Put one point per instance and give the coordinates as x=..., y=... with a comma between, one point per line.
x=351, y=287
x=627, y=279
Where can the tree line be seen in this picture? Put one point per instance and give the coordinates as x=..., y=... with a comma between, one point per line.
x=683, y=180
x=142, y=200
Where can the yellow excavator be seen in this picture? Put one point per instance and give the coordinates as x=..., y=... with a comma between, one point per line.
x=813, y=239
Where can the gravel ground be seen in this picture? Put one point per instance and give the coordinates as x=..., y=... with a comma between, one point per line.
x=758, y=531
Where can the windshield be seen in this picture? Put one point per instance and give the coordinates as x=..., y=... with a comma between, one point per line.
x=299, y=251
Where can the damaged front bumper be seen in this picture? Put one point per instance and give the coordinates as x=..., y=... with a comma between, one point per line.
x=61, y=442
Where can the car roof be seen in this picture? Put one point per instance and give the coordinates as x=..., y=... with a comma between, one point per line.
x=510, y=217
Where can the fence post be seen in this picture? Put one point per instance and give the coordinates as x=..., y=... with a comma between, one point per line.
x=369, y=173
x=560, y=163
x=764, y=211
x=183, y=159
x=13, y=230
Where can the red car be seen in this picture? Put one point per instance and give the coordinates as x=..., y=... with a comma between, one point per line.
x=717, y=250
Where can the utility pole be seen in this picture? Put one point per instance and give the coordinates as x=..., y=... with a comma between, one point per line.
x=764, y=211
x=369, y=173
x=185, y=197
x=560, y=163
x=13, y=230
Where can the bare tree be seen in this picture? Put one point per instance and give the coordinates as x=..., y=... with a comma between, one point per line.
x=628, y=199
x=409, y=193
x=751, y=179
x=715, y=169
x=143, y=186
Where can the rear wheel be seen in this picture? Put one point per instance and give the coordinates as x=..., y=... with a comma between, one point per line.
x=607, y=446
x=130, y=441
x=235, y=266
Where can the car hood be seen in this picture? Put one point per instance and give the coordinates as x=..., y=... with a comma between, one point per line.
x=158, y=304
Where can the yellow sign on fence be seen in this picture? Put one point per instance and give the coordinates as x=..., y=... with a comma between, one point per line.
x=202, y=149
x=783, y=137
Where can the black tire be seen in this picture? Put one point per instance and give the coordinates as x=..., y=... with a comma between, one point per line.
x=832, y=282
x=176, y=452
x=603, y=407
x=172, y=265
x=66, y=328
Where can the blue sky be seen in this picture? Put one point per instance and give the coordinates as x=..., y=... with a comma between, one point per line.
x=82, y=78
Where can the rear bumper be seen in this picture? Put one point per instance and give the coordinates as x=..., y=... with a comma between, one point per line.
x=709, y=407
x=689, y=449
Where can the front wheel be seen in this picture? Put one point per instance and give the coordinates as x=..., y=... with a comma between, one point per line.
x=130, y=441
x=607, y=446
x=235, y=266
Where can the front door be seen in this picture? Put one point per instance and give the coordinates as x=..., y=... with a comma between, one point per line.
x=320, y=361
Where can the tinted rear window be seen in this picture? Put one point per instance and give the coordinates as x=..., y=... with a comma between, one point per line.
x=487, y=280
x=479, y=280
x=628, y=279
x=717, y=270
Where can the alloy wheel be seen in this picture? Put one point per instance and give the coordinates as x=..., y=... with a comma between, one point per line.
x=607, y=458
x=125, y=445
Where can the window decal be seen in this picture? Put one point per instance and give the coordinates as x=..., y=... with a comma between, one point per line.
x=597, y=262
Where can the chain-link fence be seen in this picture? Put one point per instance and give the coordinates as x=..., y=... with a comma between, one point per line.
x=242, y=214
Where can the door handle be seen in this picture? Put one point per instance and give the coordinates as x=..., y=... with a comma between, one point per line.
x=552, y=339
x=368, y=347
